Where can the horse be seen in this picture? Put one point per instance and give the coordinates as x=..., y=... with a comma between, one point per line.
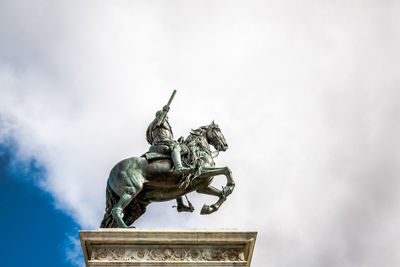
x=137, y=181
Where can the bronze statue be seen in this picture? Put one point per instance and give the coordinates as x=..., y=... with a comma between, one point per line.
x=169, y=170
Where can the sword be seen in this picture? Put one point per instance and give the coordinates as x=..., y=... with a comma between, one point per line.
x=164, y=114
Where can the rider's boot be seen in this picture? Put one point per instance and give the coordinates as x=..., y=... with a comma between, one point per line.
x=182, y=207
x=176, y=159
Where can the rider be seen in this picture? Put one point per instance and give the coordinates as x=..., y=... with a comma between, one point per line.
x=159, y=134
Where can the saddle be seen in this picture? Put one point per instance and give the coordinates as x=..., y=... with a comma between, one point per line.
x=162, y=152
x=157, y=152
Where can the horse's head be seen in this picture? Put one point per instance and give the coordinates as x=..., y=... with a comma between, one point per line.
x=216, y=138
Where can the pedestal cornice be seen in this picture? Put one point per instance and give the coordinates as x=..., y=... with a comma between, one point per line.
x=167, y=247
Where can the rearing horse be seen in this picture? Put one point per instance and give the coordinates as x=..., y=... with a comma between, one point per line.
x=136, y=182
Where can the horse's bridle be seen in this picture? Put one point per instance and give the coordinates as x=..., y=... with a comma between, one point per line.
x=215, y=153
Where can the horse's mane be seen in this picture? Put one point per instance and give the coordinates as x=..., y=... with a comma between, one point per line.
x=196, y=133
x=199, y=130
x=198, y=138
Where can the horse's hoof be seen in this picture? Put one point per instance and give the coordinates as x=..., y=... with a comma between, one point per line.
x=206, y=209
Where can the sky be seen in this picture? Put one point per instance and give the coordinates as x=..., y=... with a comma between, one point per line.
x=306, y=94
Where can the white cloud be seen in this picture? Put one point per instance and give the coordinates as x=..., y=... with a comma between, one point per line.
x=305, y=93
x=73, y=251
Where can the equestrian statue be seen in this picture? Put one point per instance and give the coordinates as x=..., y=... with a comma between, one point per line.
x=169, y=170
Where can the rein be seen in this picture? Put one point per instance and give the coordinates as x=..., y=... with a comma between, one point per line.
x=216, y=153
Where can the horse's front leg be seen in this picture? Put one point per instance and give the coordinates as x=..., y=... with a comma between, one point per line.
x=210, y=190
x=230, y=183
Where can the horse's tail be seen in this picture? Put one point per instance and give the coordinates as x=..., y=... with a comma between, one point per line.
x=111, y=199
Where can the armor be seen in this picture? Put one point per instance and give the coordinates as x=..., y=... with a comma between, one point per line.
x=159, y=134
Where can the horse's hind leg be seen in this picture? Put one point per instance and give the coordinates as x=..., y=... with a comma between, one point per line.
x=129, y=193
x=134, y=210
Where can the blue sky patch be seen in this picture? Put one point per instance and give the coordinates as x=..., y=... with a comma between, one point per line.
x=34, y=232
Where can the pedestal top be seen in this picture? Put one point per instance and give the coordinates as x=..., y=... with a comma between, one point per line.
x=167, y=247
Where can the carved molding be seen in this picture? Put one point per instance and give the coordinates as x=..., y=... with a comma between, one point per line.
x=113, y=253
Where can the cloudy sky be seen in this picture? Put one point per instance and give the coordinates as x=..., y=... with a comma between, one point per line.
x=305, y=92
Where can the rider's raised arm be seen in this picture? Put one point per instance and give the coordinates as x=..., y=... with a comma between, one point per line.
x=161, y=115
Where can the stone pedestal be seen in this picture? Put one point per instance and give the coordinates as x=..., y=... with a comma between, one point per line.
x=155, y=247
